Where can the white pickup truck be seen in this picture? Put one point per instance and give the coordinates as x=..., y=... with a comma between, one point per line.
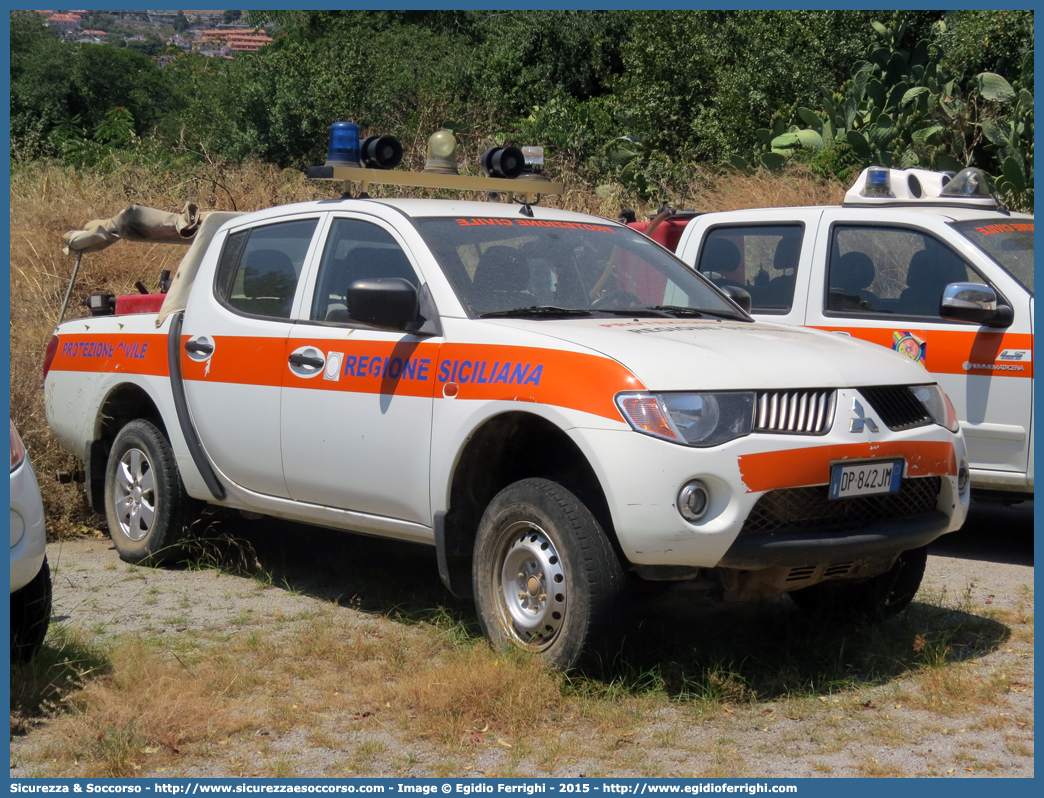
x=551, y=399
x=913, y=261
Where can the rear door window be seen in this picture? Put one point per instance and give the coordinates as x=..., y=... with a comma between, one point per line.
x=260, y=268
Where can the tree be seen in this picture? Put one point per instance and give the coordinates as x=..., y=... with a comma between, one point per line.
x=700, y=81
x=105, y=77
x=181, y=22
x=98, y=20
x=150, y=47
x=977, y=41
x=41, y=74
x=231, y=16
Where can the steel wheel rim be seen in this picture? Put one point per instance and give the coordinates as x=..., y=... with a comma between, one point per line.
x=135, y=494
x=532, y=586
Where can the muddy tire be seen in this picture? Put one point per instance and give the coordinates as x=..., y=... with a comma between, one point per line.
x=546, y=578
x=873, y=599
x=146, y=506
x=30, y=615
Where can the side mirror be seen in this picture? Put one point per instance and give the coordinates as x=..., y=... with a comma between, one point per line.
x=738, y=295
x=389, y=302
x=975, y=303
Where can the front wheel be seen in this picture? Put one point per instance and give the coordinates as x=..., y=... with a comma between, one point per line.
x=146, y=506
x=545, y=576
x=880, y=596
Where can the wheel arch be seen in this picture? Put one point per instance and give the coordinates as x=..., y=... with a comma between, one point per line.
x=123, y=403
x=504, y=449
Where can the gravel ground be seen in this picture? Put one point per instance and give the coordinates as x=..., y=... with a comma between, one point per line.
x=989, y=564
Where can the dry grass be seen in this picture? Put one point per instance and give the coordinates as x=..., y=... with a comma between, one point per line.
x=152, y=705
x=59, y=672
x=373, y=692
x=477, y=691
x=957, y=689
x=873, y=769
x=339, y=679
x=1019, y=749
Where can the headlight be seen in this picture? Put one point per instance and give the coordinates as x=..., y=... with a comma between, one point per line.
x=938, y=405
x=695, y=419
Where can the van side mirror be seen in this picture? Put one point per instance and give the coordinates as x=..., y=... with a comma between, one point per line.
x=976, y=303
x=738, y=295
x=389, y=302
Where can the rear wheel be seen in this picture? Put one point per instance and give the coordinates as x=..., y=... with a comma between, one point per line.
x=146, y=505
x=30, y=615
x=546, y=578
x=880, y=596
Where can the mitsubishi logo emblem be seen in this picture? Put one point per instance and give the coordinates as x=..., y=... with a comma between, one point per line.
x=860, y=420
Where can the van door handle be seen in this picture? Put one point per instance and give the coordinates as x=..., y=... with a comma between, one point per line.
x=198, y=348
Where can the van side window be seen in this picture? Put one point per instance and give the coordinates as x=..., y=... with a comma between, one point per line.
x=355, y=250
x=892, y=271
x=763, y=259
x=259, y=268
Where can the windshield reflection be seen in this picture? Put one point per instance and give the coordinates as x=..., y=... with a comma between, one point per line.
x=555, y=269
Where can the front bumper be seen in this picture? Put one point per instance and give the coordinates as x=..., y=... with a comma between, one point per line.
x=751, y=552
x=641, y=477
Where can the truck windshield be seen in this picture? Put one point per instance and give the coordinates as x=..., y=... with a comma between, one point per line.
x=1008, y=243
x=541, y=268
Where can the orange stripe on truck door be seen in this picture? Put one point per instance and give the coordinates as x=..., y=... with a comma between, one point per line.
x=967, y=351
x=243, y=360
x=791, y=468
x=486, y=372
x=391, y=368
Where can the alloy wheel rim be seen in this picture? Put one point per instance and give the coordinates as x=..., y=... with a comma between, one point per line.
x=135, y=494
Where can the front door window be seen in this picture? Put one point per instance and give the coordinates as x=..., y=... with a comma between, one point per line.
x=890, y=271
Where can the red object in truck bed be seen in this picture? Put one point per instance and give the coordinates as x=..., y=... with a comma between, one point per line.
x=667, y=233
x=139, y=303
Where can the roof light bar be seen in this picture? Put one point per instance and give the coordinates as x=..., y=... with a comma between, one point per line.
x=372, y=162
x=878, y=185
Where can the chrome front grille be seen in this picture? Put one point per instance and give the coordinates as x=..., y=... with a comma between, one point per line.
x=798, y=412
x=896, y=406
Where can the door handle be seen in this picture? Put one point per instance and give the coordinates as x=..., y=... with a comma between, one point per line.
x=198, y=348
x=306, y=360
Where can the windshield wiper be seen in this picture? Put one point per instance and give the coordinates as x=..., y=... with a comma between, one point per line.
x=633, y=312
x=678, y=310
x=535, y=310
